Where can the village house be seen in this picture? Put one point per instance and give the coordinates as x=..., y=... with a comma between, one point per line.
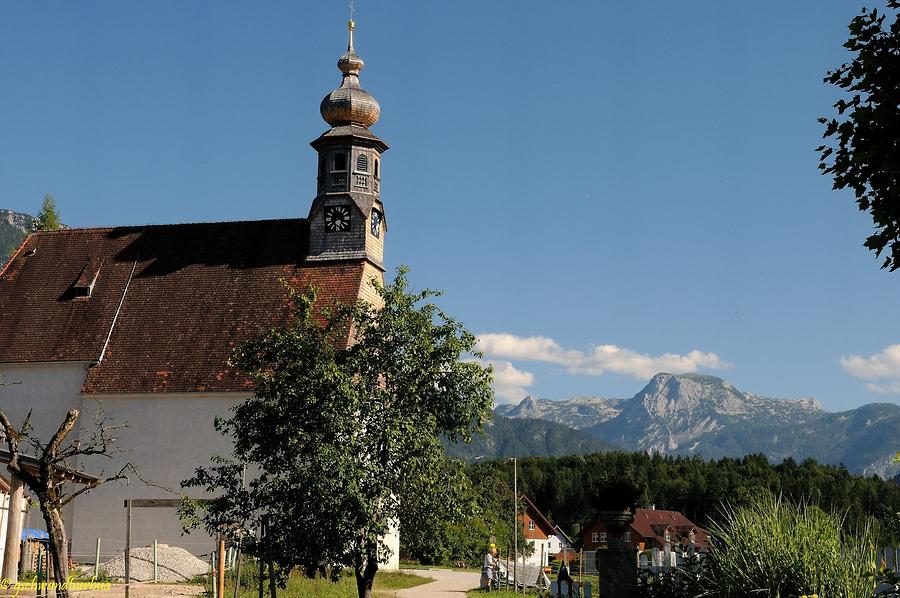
x=143, y=320
x=650, y=529
x=547, y=539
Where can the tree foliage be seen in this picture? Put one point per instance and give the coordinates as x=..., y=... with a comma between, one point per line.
x=434, y=539
x=341, y=436
x=570, y=490
x=48, y=218
x=865, y=156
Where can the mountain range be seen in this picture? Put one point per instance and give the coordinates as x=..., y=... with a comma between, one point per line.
x=13, y=228
x=522, y=437
x=707, y=416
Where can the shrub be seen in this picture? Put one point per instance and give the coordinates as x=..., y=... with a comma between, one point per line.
x=775, y=549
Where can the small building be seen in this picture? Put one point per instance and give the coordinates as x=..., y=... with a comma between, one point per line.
x=651, y=528
x=548, y=539
x=560, y=542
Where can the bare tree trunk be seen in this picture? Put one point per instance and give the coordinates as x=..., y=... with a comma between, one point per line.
x=59, y=544
x=365, y=574
x=272, y=582
x=45, y=479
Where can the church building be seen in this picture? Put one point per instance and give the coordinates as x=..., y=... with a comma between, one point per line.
x=143, y=320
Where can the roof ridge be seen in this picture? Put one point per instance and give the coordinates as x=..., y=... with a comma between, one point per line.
x=88, y=229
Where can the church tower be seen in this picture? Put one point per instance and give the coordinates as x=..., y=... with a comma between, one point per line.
x=347, y=219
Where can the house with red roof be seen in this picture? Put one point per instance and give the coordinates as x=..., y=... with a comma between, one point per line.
x=651, y=528
x=144, y=319
x=548, y=541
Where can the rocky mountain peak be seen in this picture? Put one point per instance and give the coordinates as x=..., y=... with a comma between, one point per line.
x=13, y=229
x=705, y=415
x=22, y=222
x=669, y=394
x=526, y=407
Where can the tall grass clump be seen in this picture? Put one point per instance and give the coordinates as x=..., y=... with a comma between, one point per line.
x=771, y=548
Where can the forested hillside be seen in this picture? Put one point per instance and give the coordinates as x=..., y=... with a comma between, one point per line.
x=571, y=490
x=507, y=437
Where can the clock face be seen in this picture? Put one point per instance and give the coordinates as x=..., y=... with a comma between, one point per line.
x=337, y=218
x=376, y=223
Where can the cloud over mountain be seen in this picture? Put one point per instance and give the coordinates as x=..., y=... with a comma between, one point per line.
x=598, y=360
x=882, y=369
x=510, y=383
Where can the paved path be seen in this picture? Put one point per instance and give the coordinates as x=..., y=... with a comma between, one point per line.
x=447, y=584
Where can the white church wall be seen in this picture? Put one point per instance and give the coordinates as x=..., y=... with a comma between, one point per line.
x=49, y=391
x=167, y=438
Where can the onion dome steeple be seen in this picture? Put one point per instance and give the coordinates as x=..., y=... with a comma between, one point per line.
x=347, y=219
x=349, y=104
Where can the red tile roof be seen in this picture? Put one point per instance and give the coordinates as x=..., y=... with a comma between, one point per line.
x=536, y=515
x=649, y=527
x=181, y=297
x=652, y=524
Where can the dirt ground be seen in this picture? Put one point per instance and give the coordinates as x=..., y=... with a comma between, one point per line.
x=138, y=590
x=146, y=590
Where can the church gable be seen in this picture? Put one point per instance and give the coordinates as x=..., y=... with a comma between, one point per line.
x=160, y=309
x=167, y=304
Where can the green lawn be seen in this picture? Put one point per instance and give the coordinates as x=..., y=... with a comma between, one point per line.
x=386, y=586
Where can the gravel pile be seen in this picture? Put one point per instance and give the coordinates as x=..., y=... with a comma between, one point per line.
x=173, y=564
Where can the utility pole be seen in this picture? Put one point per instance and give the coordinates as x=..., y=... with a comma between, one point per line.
x=515, y=526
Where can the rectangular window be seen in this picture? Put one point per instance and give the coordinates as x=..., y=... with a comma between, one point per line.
x=531, y=526
x=602, y=537
x=627, y=537
x=595, y=537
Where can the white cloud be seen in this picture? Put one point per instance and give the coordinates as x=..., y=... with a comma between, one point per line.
x=510, y=383
x=891, y=388
x=882, y=369
x=600, y=359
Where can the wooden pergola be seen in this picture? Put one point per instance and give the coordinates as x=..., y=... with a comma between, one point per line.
x=13, y=544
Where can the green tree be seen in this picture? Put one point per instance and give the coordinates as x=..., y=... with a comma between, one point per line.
x=48, y=218
x=867, y=128
x=342, y=435
x=437, y=523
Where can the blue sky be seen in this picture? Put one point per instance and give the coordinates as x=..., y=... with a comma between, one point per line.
x=601, y=189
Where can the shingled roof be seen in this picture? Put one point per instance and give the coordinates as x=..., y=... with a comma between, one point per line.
x=158, y=308
x=651, y=525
